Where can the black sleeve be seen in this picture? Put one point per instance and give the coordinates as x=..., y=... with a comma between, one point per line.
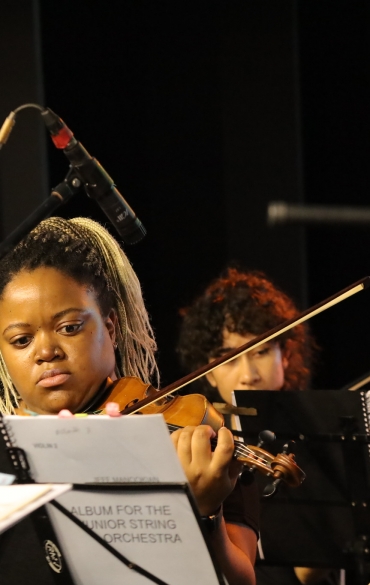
x=242, y=506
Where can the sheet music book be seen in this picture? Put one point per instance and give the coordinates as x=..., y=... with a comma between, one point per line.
x=17, y=501
x=150, y=524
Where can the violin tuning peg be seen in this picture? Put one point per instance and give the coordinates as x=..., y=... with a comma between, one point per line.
x=247, y=475
x=271, y=488
x=266, y=437
x=288, y=447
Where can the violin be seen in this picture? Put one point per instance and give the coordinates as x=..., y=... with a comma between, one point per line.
x=135, y=397
x=194, y=409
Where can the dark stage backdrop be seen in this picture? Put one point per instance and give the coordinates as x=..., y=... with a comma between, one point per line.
x=335, y=90
x=23, y=164
x=203, y=112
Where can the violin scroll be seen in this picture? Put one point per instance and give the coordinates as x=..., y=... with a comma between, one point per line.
x=285, y=467
x=281, y=467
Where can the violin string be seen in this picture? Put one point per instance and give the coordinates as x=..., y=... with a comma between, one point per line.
x=241, y=450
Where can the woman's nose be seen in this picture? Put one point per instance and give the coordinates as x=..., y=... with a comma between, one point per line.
x=248, y=369
x=46, y=349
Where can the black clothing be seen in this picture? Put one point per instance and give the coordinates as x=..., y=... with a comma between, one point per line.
x=242, y=506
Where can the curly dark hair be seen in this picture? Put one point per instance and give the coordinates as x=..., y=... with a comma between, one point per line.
x=243, y=303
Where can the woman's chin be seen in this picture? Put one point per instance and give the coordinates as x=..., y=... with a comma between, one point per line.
x=57, y=402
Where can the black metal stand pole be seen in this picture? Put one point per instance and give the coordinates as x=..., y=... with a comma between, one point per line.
x=60, y=195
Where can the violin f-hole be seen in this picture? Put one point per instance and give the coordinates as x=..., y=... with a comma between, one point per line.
x=132, y=403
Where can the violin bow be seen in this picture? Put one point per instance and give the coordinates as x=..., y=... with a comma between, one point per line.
x=250, y=345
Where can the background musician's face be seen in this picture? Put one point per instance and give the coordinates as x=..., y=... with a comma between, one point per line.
x=57, y=345
x=260, y=369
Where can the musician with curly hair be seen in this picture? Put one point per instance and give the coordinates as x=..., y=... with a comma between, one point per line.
x=233, y=309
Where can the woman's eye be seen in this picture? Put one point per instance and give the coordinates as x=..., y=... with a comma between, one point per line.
x=71, y=328
x=21, y=341
x=263, y=351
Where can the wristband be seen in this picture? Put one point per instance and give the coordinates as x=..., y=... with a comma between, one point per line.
x=212, y=522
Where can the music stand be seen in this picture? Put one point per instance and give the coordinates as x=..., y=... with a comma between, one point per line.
x=326, y=521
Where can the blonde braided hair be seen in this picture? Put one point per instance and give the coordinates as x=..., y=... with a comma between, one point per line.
x=106, y=261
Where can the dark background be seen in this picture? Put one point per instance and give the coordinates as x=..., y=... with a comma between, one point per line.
x=203, y=112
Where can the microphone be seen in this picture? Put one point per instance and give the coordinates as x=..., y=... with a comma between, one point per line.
x=98, y=184
x=279, y=212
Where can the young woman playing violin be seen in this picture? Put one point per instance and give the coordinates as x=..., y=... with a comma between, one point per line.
x=72, y=320
x=233, y=310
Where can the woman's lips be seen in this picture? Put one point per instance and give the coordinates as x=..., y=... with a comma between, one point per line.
x=53, y=378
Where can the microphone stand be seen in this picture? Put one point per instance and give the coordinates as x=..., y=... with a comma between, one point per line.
x=69, y=187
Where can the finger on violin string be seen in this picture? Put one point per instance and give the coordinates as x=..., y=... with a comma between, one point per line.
x=181, y=432
x=224, y=450
x=201, y=444
x=193, y=443
x=182, y=439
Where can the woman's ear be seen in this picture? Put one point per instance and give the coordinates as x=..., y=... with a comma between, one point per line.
x=111, y=322
x=285, y=357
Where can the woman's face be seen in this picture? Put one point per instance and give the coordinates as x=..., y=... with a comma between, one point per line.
x=260, y=369
x=57, y=346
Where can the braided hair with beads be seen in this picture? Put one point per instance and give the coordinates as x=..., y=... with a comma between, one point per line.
x=84, y=250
